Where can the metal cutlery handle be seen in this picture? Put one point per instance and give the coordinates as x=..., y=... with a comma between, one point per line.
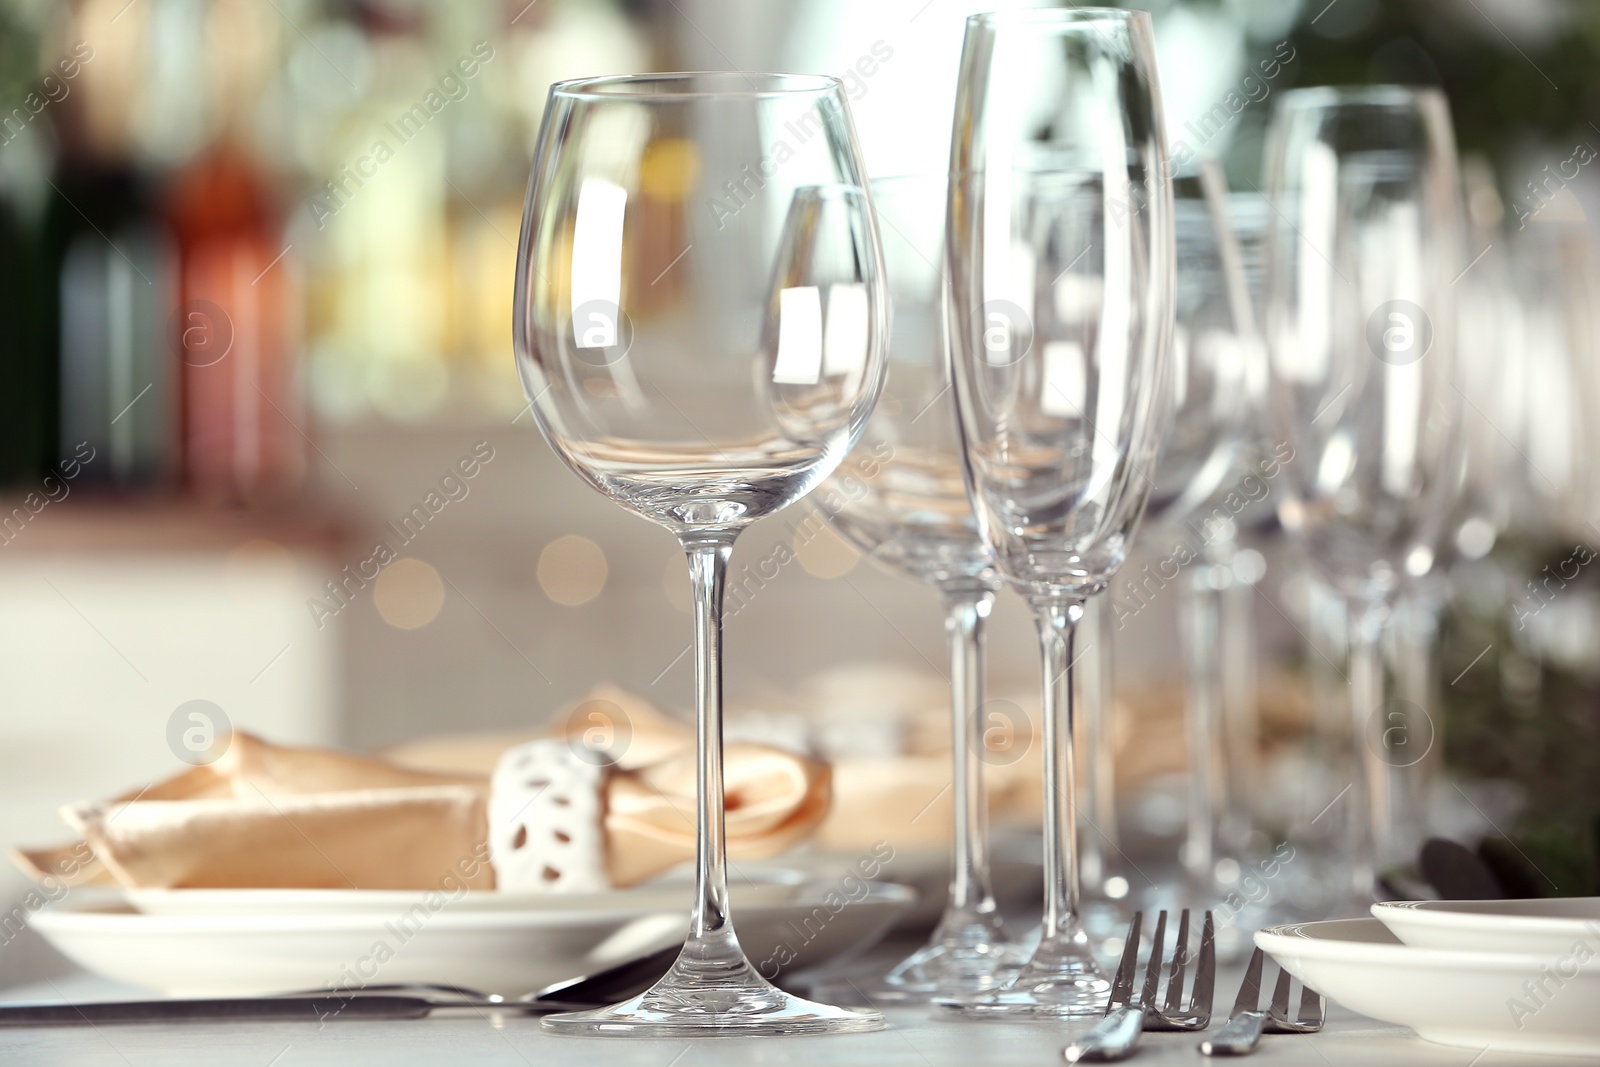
x=300, y=1009
x=1236, y=1037
x=1112, y=1038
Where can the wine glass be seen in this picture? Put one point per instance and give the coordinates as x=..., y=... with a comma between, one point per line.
x=900, y=499
x=1060, y=260
x=700, y=322
x=1361, y=256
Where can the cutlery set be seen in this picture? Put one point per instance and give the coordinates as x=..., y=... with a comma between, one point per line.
x=1128, y=1016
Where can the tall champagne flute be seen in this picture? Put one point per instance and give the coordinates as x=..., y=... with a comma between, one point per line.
x=1361, y=257
x=902, y=502
x=1203, y=481
x=1060, y=259
x=700, y=319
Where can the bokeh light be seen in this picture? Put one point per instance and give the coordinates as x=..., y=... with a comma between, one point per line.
x=408, y=594
x=572, y=570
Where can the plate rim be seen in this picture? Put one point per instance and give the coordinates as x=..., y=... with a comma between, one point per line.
x=1286, y=937
x=1423, y=913
x=109, y=915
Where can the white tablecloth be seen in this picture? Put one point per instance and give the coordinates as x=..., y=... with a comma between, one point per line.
x=912, y=1040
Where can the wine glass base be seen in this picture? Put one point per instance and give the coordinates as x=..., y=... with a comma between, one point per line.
x=951, y=969
x=956, y=966
x=673, y=1011
x=1052, y=985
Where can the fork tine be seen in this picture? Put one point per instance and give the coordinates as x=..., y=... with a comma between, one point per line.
x=1205, y=973
x=1152, y=973
x=1280, y=996
x=1122, y=982
x=1180, y=959
x=1249, y=998
x=1313, y=1009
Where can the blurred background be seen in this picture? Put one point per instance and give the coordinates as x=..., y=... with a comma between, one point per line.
x=262, y=442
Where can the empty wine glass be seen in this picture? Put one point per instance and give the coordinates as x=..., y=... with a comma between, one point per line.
x=700, y=321
x=1060, y=260
x=1362, y=253
x=901, y=501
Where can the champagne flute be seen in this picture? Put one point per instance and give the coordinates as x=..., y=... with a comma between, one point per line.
x=1204, y=480
x=700, y=320
x=1361, y=259
x=1060, y=260
x=901, y=501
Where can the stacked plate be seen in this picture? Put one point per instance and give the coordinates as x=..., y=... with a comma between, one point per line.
x=1504, y=975
x=262, y=941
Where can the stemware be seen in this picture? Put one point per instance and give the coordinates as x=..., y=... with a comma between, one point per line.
x=1361, y=253
x=1204, y=481
x=699, y=326
x=901, y=501
x=1059, y=250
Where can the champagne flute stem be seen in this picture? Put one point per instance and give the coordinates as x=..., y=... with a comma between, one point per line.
x=1097, y=735
x=710, y=930
x=1366, y=702
x=1057, y=621
x=967, y=610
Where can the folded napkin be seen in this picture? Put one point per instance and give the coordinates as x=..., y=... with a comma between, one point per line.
x=265, y=815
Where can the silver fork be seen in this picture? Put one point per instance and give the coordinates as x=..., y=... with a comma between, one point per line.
x=1175, y=1014
x=1240, y=1034
x=1117, y=1035
x=1313, y=1009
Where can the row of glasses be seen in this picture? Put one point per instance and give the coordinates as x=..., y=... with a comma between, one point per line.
x=731, y=381
x=742, y=385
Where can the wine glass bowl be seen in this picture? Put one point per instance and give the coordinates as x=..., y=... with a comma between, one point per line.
x=699, y=326
x=713, y=389
x=1360, y=324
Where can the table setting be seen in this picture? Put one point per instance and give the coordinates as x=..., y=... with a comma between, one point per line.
x=1065, y=368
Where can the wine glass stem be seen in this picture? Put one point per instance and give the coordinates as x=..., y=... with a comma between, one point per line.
x=967, y=610
x=1240, y=712
x=710, y=930
x=1057, y=621
x=1200, y=614
x=1366, y=701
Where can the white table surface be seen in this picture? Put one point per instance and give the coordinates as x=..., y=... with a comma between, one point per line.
x=912, y=1040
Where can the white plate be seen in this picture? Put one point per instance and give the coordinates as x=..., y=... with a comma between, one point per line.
x=1544, y=927
x=1472, y=1000
x=498, y=951
x=673, y=891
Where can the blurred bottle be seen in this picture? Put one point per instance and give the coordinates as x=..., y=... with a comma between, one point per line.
x=28, y=373
x=110, y=255
x=233, y=330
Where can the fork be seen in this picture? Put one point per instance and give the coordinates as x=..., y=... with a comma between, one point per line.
x=1239, y=1035
x=1174, y=1014
x=1117, y=1035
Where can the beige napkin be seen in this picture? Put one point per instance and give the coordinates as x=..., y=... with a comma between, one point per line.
x=265, y=815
